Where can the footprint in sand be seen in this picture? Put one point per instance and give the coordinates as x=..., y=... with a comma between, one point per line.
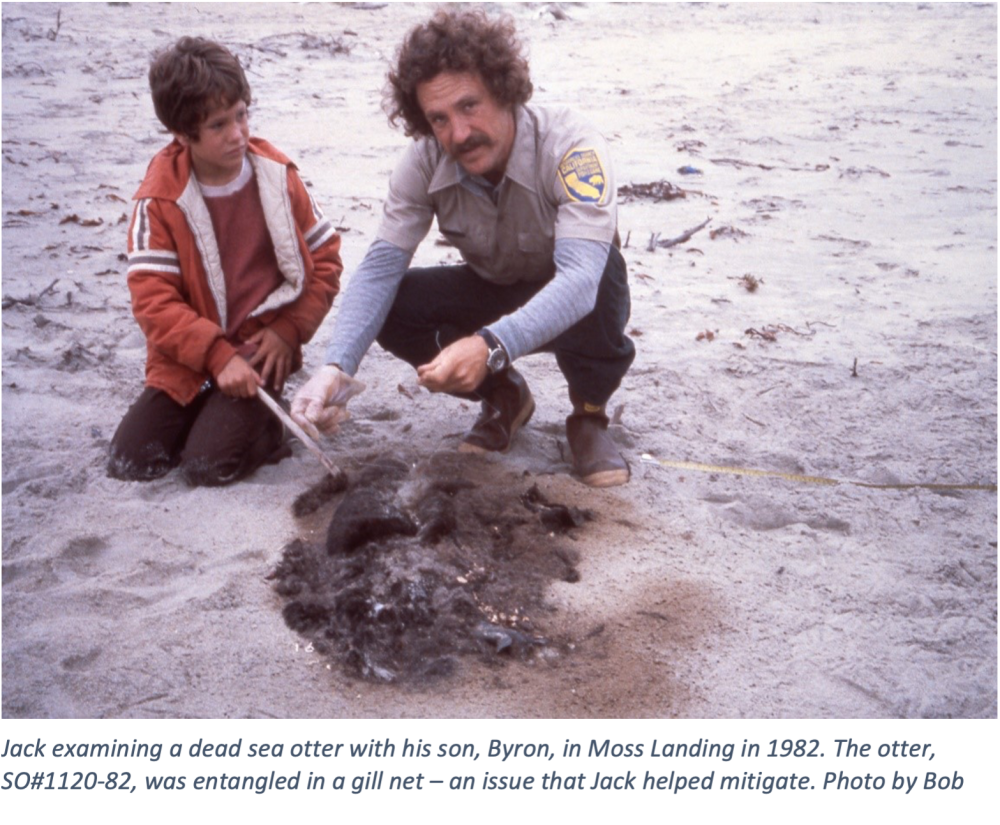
x=81, y=661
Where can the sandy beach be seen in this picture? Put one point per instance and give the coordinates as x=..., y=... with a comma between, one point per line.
x=810, y=530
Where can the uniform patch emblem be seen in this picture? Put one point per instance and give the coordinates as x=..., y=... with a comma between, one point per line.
x=583, y=176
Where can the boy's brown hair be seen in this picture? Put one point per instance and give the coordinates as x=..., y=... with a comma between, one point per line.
x=190, y=79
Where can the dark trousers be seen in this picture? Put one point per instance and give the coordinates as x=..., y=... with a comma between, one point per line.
x=436, y=306
x=215, y=439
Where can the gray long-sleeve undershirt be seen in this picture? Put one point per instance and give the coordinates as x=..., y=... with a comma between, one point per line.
x=564, y=300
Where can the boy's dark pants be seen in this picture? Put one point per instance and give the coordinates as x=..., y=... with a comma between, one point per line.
x=438, y=305
x=215, y=439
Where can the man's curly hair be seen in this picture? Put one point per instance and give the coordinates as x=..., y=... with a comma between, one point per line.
x=456, y=41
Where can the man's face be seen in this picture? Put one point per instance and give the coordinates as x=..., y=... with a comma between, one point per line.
x=218, y=153
x=470, y=125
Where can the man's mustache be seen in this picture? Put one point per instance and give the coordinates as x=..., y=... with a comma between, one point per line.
x=473, y=142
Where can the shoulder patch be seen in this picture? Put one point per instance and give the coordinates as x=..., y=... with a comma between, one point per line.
x=582, y=176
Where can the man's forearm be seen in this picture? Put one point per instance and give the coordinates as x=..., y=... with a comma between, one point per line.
x=568, y=297
x=366, y=303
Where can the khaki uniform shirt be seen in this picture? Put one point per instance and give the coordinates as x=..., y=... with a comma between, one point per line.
x=558, y=184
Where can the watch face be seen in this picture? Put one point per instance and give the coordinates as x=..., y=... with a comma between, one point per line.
x=497, y=360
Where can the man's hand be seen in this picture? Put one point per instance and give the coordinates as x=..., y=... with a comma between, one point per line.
x=274, y=353
x=459, y=367
x=238, y=379
x=321, y=404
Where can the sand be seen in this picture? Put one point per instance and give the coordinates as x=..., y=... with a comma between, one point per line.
x=846, y=156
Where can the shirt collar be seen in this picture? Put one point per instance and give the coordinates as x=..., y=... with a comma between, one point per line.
x=235, y=185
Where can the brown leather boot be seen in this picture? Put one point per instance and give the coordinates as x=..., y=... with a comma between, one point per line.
x=596, y=459
x=506, y=408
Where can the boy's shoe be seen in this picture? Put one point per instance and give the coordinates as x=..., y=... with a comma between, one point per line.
x=505, y=410
x=596, y=459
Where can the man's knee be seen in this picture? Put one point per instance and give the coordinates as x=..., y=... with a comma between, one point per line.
x=418, y=325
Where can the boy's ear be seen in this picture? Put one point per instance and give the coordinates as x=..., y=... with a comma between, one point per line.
x=183, y=140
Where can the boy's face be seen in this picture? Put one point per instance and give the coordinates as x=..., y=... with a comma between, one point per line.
x=218, y=153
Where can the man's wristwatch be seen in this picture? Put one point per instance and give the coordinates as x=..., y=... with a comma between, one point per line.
x=496, y=357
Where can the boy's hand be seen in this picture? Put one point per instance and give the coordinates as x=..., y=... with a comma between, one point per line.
x=275, y=355
x=238, y=379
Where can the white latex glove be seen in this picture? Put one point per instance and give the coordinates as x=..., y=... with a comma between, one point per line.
x=321, y=405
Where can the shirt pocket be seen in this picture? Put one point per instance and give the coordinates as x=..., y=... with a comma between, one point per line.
x=474, y=242
x=535, y=243
x=535, y=256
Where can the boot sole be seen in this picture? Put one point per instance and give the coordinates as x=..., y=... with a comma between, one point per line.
x=606, y=478
x=523, y=418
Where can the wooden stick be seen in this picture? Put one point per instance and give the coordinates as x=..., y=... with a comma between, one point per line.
x=681, y=238
x=300, y=434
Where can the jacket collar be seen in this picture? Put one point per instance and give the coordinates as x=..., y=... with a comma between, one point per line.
x=170, y=170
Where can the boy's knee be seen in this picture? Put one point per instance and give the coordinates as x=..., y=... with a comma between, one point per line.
x=150, y=462
x=145, y=445
x=211, y=472
x=205, y=465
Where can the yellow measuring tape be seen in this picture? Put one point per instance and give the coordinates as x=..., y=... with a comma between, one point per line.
x=830, y=482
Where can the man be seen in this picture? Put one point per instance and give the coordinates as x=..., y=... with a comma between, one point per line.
x=526, y=195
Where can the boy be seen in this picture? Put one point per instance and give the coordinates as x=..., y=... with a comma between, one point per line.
x=232, y=268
